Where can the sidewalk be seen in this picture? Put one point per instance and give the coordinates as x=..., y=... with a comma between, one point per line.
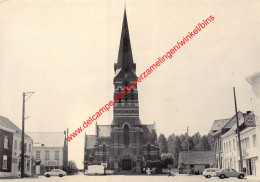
x=251, y=177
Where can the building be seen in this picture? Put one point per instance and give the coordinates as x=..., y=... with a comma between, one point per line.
x=231, y=155
x=6, y=140
x=126, y=145
x=198, y=160
x=10, y=154
x=219, y=128
x=49, y=149
x=254, y=81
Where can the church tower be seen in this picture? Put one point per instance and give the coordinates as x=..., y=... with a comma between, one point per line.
x=126, y=146
x=126, y=125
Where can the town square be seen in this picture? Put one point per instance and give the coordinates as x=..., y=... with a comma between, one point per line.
x=125, y=91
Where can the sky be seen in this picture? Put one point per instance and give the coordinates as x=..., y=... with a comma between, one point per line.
x=65, y=51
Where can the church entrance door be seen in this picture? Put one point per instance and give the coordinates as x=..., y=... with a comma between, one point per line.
x=126, y=162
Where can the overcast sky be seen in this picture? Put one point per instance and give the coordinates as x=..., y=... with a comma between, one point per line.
x=65, y=51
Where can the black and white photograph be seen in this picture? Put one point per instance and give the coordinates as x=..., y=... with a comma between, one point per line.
x=129, y=90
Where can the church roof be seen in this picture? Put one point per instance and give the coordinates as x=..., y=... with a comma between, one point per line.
x=125, y=65
x=104, y=131
x=150, y=128
x=90, y=141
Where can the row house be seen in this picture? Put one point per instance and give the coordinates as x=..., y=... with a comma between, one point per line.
x=231, y=154
x=10, y=150
x=219, y=128
x=226, y=145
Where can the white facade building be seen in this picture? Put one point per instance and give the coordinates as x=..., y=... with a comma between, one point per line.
x=231, y=155
x=48, y=151
x=16, y=155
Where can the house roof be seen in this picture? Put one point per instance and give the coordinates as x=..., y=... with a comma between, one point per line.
x=228, y=124
x=218, y=124
x=197, y=157
x=6, y=123
x=233, y=129
x=90, y=141
x=49, y=139
x=104, y=131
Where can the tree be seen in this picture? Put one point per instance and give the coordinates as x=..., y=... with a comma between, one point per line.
x=167, y=159
x=211, y=141
x=204, y=144
x=162, y=142
x=186, y=141
x=72, y=167
x=171, y=143
x=196, y=138
x=177, y=148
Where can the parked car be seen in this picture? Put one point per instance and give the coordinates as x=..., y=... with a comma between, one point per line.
x=55, y=172
x=229, y=172
x=210, y=172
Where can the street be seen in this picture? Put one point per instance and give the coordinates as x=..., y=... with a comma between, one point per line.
x=133, y=178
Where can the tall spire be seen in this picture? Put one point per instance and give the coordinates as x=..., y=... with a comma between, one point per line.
x=125, y=57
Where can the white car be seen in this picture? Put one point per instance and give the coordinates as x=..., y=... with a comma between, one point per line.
x=210, y=172
x=229, y=172
x=55, y=172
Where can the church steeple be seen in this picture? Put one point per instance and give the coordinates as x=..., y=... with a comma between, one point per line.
x=125, y=61
x=125, y=73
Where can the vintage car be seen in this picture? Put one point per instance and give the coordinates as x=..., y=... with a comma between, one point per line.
x=210, y=172
x=229, y=172
x=55, y=172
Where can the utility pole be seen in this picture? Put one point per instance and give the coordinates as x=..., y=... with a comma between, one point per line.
x=238, y=133
x=67, y=153
x=188, y=151
x=22, y=149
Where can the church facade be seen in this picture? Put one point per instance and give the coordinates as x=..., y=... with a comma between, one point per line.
x=126, y=145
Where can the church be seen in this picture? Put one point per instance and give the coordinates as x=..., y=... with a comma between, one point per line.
x=126, y=146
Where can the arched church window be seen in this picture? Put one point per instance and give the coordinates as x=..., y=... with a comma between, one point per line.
x=126, y=135
x=148, y=151
x=119, y=91
x=104, y=152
